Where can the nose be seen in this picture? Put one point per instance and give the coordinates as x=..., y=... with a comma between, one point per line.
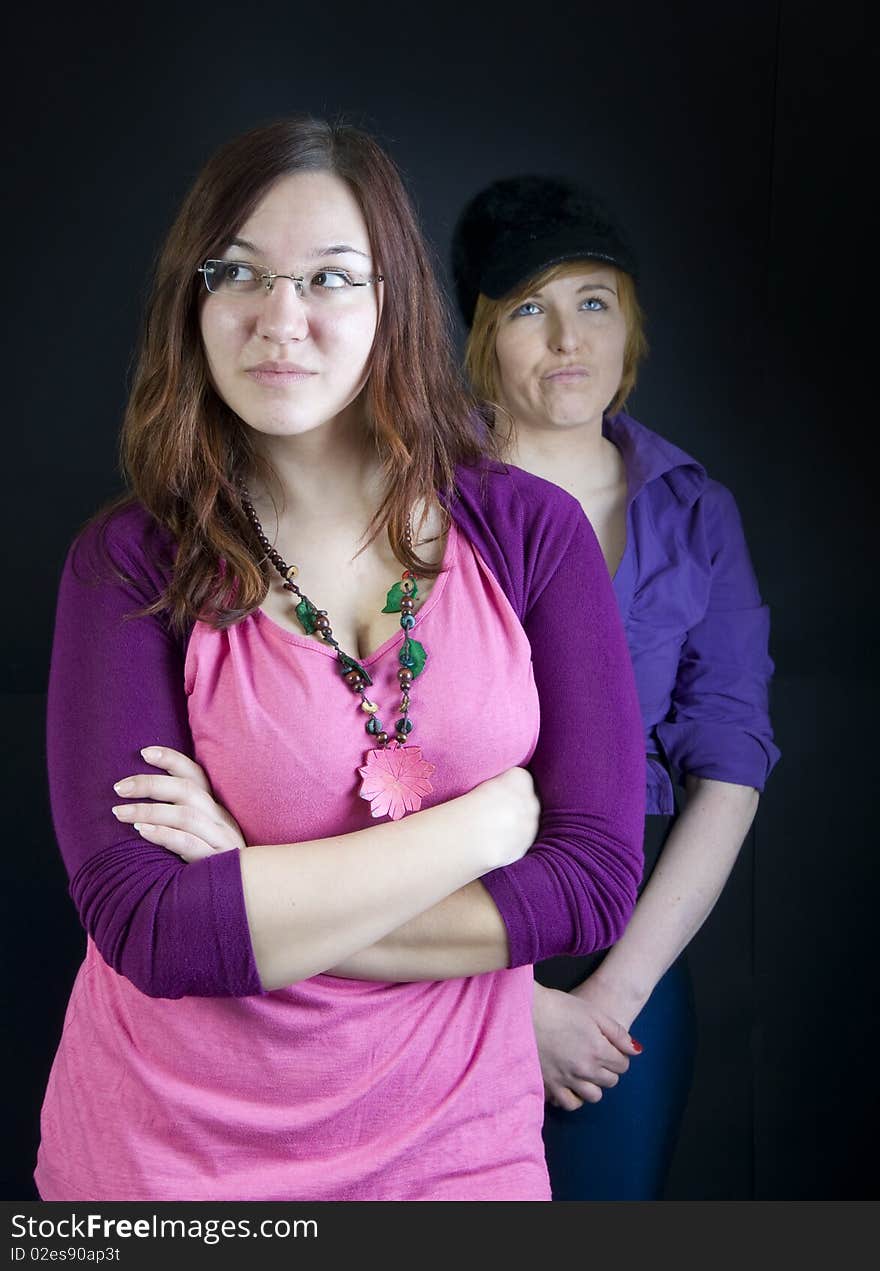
x=563, y=335
x=283, y=316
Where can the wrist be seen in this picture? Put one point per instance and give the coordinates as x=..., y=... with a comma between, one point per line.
x=477, y=829
x=621, y=995
x=462, y=832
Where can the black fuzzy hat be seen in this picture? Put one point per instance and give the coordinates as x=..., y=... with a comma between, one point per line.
x=519, y=226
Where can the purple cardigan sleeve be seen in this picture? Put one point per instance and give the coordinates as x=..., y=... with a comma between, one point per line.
x=718, y=724
x=575, y=889
x=115, y=686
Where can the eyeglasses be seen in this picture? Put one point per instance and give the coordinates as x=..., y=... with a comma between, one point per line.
x=243, y=278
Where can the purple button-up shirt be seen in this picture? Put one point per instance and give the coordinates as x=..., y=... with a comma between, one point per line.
x=696, y=628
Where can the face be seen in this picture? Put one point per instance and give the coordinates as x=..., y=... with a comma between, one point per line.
x=560, y=353
x=286, y=362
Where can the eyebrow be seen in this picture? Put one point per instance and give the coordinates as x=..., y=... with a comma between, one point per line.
x=242, y=242
x=332, y=249
x=340, y=249
x=588, y=286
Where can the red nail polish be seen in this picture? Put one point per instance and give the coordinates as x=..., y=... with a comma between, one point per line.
x=637, y=1046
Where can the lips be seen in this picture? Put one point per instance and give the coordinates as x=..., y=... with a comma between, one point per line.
x=565, y=373
x=279, y=373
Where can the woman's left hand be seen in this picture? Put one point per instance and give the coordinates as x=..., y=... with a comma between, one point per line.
x=583, y=1049
x=183, y=815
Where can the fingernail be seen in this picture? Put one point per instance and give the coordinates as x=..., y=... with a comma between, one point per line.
x=123, y=787
x=138, y=826
x=637, y=1046
x=117, y=810
x=151, y=752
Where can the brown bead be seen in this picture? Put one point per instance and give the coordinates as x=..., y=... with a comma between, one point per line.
x=407, y=604
x=322, y=622
x=404, y=677
x=381, y=738
x=354, y=679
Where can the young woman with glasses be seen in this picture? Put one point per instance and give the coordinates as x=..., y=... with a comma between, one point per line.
x=338, y=666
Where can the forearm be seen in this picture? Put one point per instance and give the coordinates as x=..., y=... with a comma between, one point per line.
x=687, y=881
x=462, y=935
x=311, y=906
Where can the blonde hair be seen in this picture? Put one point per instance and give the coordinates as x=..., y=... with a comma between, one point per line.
x=481, y=363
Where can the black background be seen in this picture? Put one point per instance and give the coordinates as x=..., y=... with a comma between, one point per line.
x=730, y=138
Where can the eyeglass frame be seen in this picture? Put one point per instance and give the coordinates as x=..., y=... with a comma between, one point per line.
x=268, y=277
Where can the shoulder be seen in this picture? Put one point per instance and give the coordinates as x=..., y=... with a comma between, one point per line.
x=505, y=497
x=718, y=502
x=713, y=519
x=662, y=474
x=123, y=543
x=657, y=469
x=523, y=526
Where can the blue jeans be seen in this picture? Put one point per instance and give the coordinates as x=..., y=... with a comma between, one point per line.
x=621, y=1147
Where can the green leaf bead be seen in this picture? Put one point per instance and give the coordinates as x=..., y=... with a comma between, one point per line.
x=413, y=656
x=347, y=664
x=396, y=594
x=306, y=613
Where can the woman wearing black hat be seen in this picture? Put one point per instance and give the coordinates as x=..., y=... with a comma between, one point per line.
x=546, y=282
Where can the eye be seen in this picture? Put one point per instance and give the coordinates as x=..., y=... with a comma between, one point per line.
x=526, y=310
x=237, y=275
x=330, y=280
x=594, y=305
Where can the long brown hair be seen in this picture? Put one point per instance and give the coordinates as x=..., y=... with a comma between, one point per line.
x=481, y=362
x=184, y=451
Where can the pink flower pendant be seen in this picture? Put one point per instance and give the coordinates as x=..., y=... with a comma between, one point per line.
x=395, y=780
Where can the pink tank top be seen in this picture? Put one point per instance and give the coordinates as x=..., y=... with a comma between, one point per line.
x=329, y=1089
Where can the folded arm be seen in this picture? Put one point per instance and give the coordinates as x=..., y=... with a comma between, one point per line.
x=233, y=923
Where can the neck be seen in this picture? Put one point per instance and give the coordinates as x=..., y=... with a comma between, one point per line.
x=555, y=452
x=326, y=474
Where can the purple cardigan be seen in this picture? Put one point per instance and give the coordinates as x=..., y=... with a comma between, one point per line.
x=116, y=685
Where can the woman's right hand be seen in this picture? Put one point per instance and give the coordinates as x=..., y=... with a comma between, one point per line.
x=507, y=814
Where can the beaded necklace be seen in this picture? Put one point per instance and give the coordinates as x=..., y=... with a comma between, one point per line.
x=395, y=776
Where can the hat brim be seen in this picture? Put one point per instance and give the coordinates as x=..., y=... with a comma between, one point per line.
x=506, y=270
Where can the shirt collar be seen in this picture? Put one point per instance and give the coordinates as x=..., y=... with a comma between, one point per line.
x=648, y=456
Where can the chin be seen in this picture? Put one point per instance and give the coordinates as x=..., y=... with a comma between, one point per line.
x=292, y=414
x=292, y=421
x=570, y=420
x=284, y=427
